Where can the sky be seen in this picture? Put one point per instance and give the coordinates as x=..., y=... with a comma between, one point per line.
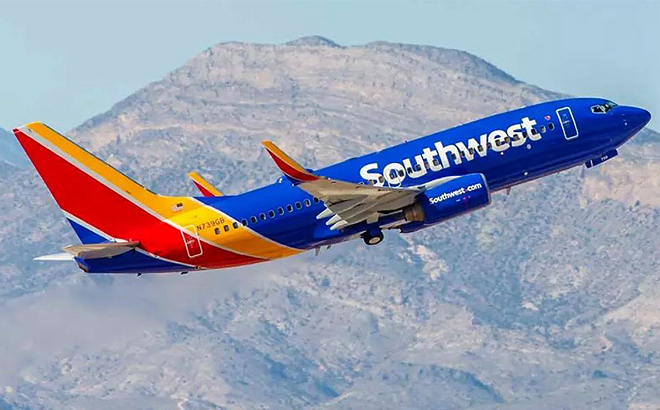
x=64, y=62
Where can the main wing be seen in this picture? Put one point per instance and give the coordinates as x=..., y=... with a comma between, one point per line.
x=347, y=203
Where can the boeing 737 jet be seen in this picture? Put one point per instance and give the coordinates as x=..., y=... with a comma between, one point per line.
x=125, y=228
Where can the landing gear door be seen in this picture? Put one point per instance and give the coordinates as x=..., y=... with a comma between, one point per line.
x=567, y=122
x=192, y=243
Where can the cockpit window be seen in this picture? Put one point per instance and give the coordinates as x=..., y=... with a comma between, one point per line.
x=603, y=108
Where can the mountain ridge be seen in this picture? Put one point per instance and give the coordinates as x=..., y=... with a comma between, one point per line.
x=543, y=299
x=315, y=40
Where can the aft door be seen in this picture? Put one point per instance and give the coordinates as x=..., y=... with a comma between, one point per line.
x=192, y=243
x=567, y=122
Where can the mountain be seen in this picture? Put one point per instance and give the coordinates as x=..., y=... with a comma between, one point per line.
x=10, y=150
x=545, y=299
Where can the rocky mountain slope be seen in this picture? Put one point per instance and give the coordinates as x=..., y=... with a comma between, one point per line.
x=546, y=299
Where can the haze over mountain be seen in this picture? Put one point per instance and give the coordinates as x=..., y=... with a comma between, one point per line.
x=10, y=150
x=546, y=299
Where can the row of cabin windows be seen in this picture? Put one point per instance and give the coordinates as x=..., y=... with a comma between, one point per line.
x=280, y=211
x=471, y=150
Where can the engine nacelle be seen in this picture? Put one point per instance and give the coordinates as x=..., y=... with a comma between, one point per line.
x=452, y=198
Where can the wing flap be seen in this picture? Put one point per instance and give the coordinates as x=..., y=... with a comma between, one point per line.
x=336, y=191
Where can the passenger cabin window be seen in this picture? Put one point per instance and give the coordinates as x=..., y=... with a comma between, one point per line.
x=551, y=126
x=289, y=208
x=235, y=225
x=308, y=202
x=542, y=128
x=253, y=219
x=226, y=228
x=217, y=231
x=262, y=216
x=280, y=211
x=271, y=214
x=298, y=205
x=244, y=222
x=316, y=200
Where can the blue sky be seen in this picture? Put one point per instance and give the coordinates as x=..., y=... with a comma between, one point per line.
x=63, y=62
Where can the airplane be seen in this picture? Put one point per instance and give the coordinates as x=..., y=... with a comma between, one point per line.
x=125, y=228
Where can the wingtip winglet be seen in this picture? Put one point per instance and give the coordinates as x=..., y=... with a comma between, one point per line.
x=287, y=165
x=203, y=185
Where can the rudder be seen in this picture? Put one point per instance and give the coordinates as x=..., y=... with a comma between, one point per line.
x=98, y=200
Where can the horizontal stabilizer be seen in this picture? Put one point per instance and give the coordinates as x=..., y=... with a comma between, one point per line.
x=55, y=257
x=100, y=250
x=203, y=185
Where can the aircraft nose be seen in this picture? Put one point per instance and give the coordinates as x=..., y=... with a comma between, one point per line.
x=635, y=118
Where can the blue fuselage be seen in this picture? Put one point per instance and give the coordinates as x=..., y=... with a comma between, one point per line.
x=125, y=228
x=508, y=149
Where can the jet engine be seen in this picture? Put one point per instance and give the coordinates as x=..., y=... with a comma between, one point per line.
x=447, y=200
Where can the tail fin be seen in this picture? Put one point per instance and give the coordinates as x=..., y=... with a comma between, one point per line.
x=100, y=202
x=104, y=205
